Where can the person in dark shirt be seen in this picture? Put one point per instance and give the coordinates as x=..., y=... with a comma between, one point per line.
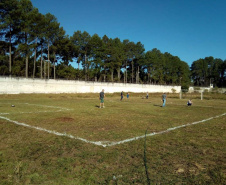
x=121, y=96
x=189, y=102
x=102, y=95
x=147, y=95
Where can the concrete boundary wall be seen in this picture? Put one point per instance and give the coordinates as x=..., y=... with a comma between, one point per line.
x=23, y=85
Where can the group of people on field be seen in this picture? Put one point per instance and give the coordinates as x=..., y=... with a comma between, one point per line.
x=102, y=95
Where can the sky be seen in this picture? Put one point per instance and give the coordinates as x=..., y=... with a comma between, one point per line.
x=189, y=29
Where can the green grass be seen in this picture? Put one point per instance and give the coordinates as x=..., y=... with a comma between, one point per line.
x=189, y=155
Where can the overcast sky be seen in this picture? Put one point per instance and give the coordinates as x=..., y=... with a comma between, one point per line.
x=189, y=29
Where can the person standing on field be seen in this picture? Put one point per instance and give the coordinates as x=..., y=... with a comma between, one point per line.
x=147, y=95
x=102, y=95
x=121, y=96
x=164, y=99
x=127, y=95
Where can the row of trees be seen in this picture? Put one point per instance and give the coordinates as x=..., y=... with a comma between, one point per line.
x=209, y=71
x=26, y=34
x=34, y=45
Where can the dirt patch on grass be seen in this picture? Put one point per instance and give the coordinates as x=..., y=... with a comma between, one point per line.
x=65, y=119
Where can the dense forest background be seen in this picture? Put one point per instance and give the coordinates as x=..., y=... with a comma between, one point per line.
x=34, y=45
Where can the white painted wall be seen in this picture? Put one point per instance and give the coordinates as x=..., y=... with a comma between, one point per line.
x=23, y=85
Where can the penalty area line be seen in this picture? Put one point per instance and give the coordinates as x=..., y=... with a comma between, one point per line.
x=52, y=132
x=164, y=131
x=109, y=143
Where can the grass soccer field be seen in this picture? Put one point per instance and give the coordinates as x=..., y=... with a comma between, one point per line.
x=68, y=139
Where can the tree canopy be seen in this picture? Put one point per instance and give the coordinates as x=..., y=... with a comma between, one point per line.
x=209, y=71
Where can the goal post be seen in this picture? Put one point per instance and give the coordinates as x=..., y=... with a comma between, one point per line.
x=184, y=93
x=201, y=95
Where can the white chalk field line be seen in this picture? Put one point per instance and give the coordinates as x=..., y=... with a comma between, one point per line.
x=109, y=143
x=60, y=109
x=99, y=143
x=165, y=131
x=50, y=131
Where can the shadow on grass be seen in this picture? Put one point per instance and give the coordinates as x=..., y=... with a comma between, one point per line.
x=157, y=105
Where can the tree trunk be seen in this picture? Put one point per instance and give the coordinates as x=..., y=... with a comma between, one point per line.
x=126, y=71
x=104, y=74
x=87, y=72
x=34, y=60
x=85, y=69
x=10, y=54
x=54, y=66
x=48, y=60
x=41, y=64
x=148, y=75
x=132, y=70
x=44, y=69
x=26, y=68
x=26, y=71
x=119, y=76
x=124, y=74
x=78, y=70
x=137, y=76
x=112, y=75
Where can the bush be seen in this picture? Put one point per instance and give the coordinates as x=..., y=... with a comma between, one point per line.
x=173, y=90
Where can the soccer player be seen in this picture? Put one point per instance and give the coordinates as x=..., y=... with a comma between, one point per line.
x=164, y=99
x=102, y=95
x=189, y=102
x=147, y=95
x=121, y=96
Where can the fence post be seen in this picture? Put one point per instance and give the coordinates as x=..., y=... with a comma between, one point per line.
x=201, y=95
